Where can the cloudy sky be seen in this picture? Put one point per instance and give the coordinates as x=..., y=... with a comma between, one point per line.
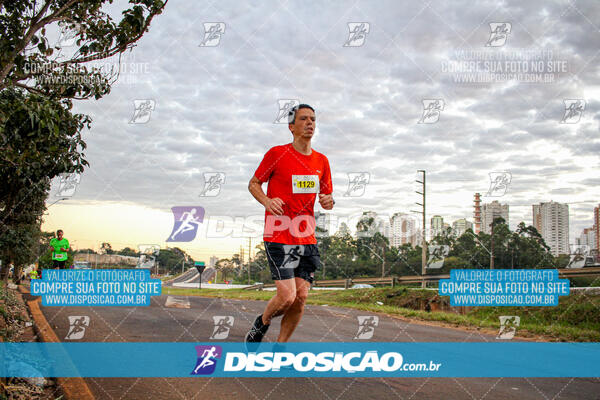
x=214, y=108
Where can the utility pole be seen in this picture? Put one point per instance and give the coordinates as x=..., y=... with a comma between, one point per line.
x=242, y=262
x=249, y=254
x=492, y=246
x=185, y=259
x=423, y=238
x=383, y=262
x=249, y=248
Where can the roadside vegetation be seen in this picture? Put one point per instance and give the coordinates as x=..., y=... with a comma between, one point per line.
x=576, y=318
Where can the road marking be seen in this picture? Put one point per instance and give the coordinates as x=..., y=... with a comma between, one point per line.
x=173, y=302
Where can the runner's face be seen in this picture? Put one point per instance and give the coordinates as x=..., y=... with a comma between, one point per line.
x=304, y=126
x=60, y=235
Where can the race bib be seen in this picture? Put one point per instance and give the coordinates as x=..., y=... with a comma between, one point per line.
x=305, y=184
x=60, y=256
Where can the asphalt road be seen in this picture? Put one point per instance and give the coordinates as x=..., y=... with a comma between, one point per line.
x=184, y=277
x=157, y=323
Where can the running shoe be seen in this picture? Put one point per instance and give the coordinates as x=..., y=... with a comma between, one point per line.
x=257, y=332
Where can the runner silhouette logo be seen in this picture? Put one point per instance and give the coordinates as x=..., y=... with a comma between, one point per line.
x=291, y=258
x=432, y=108
x=207, y=359
x=357, y=35
x=499, y=182
x=508, y=326
x=357, y=182
x=212, y=34
x=77, y=325
x=366, y=326
x=212, y=184
x=185, y=224
x=283, y=113
x=223, y=325
x=573, y=111
x=67, y=184
x=499, y=32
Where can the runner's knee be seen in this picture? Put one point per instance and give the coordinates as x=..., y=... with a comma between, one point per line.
x=286, y=299
x=301, y=297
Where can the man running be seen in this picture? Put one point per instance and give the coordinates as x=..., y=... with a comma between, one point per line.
x=296, y=174
x=60, y=246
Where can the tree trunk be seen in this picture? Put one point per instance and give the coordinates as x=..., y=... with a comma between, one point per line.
x=17, y=274
x=4, y=273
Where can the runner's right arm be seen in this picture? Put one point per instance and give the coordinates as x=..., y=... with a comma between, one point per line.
x=274, y=206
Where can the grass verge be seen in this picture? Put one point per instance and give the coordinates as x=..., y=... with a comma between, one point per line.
x=576, y=318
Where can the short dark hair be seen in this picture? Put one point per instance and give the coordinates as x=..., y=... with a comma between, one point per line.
x=292, y=114
x=60, y=230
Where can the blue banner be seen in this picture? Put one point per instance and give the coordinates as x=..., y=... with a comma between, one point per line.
x=504, y=287
x=374, y=359
x=99, y=287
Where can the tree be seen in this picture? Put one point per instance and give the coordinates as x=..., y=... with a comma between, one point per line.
x=225, y=267
x=530, y=249
x=39, y=136
x=29, y=61
x=237, y=260
x=259, y=267
x=502, y=241
x=170, y=260
x=39, y=139
x=106, y=248
x=407, y=261
x=323, y=243
x=86, y=251
x=341, y=257
x=445, y=237
x=128, y=251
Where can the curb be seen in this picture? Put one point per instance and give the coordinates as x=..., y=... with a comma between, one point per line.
x=74, y=388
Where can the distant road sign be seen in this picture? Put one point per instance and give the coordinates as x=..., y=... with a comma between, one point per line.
x=200, y=267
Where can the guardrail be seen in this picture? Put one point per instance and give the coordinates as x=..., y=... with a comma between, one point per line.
x=395, y=280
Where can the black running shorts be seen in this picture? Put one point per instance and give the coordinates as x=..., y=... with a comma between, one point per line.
x=288, y=261
x=56, y=264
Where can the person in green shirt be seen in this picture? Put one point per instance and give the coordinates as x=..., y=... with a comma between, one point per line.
x=33, y=274
x=60, y=246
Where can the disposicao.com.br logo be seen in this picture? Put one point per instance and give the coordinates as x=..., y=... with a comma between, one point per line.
x=323, y=362
x=313, y=363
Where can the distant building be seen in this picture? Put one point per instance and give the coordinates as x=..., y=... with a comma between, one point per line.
x=385, y=228
x=343, y=231
x=491, y=211
x=460, y=226
x=477, y=213
x=404, y=229
x=322, y=221
x=587, y=238
x=212, y=261
x=552, y=222
x=597, y=227
x=437, y=225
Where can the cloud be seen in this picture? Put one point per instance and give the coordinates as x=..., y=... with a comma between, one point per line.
x=215, y=106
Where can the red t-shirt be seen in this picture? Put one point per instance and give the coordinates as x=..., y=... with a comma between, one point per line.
x=296, y=179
